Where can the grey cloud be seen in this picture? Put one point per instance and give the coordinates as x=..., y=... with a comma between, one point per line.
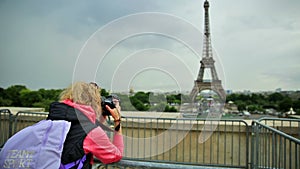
x=51, y=34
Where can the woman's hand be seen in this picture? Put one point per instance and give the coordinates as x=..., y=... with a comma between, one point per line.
x=115, y=113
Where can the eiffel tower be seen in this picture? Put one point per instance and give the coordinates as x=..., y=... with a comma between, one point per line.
x=207, y=62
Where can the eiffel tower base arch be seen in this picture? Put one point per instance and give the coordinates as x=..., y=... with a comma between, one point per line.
x=215, y=86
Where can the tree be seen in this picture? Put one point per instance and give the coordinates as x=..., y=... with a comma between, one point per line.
x=50, y=94
x=275, y=97
x=241, y=105
x=170, y=109
x=28, y=98
x=285, y=104
x=174, y=98
x=143, y=97
x=138, y=104
x=171, y=98
x=45, y=103
x=5, y=102
x=104, y=93
x=232, y=97
x=296, y=106
x=13, y=93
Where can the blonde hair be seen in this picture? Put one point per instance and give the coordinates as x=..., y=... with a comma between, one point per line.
x=83, y=93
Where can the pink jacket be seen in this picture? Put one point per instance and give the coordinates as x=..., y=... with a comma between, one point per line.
x=97, y=142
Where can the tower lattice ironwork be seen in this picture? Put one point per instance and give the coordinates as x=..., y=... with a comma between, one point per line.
x=207, y=62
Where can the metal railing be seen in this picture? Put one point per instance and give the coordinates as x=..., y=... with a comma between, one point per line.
x=273, y=148
x=10, y=124
x=187, y=141
x=24, y=119
x=6, y=124
x=288, y=126
x=193, y=143
x=135, y=164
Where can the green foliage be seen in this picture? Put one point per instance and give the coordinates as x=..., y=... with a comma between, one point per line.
x=13, y=93
x=5, y=102
x=28, y=98
x=296, y=104
x=45, y=103
x=19, y=95
x=241, y=105
x=275, y=97
x=142, y=97
x=285, y=104
x=142, y=101
x=176, y=99
x=259, y=102
x=104, y=93
x=51, y=94
x=170, y=109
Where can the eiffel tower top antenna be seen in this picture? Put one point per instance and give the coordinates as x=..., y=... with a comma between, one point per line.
x=206, y=30
x=207, y=50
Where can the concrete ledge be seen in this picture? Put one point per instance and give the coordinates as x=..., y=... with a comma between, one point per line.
x=15, y=110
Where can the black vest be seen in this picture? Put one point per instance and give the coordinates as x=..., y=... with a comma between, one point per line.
x=80, y=126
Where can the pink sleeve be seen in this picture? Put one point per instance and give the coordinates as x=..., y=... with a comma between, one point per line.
x=98, y=143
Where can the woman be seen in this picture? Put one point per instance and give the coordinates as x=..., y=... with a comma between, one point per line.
x=80, y=104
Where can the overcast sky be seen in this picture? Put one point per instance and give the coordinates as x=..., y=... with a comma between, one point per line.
x=149, y=44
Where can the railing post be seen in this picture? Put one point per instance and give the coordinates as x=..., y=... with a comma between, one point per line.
x=248, y=163
x=254, y=146
x=6, y=124
x=11, y=123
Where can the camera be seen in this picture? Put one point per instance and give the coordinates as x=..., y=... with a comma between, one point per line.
x=108, y=101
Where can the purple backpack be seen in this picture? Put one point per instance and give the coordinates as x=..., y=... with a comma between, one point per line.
x=38, y=146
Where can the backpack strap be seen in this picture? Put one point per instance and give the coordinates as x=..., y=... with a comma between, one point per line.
x=104, y=127
x=72, y=164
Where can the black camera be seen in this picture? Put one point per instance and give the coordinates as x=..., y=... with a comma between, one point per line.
x=108, y=101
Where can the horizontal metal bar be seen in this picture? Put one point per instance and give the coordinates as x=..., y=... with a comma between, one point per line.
x=291, y=138
x=187, y=119
x=148, y=164
x=277, y=119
